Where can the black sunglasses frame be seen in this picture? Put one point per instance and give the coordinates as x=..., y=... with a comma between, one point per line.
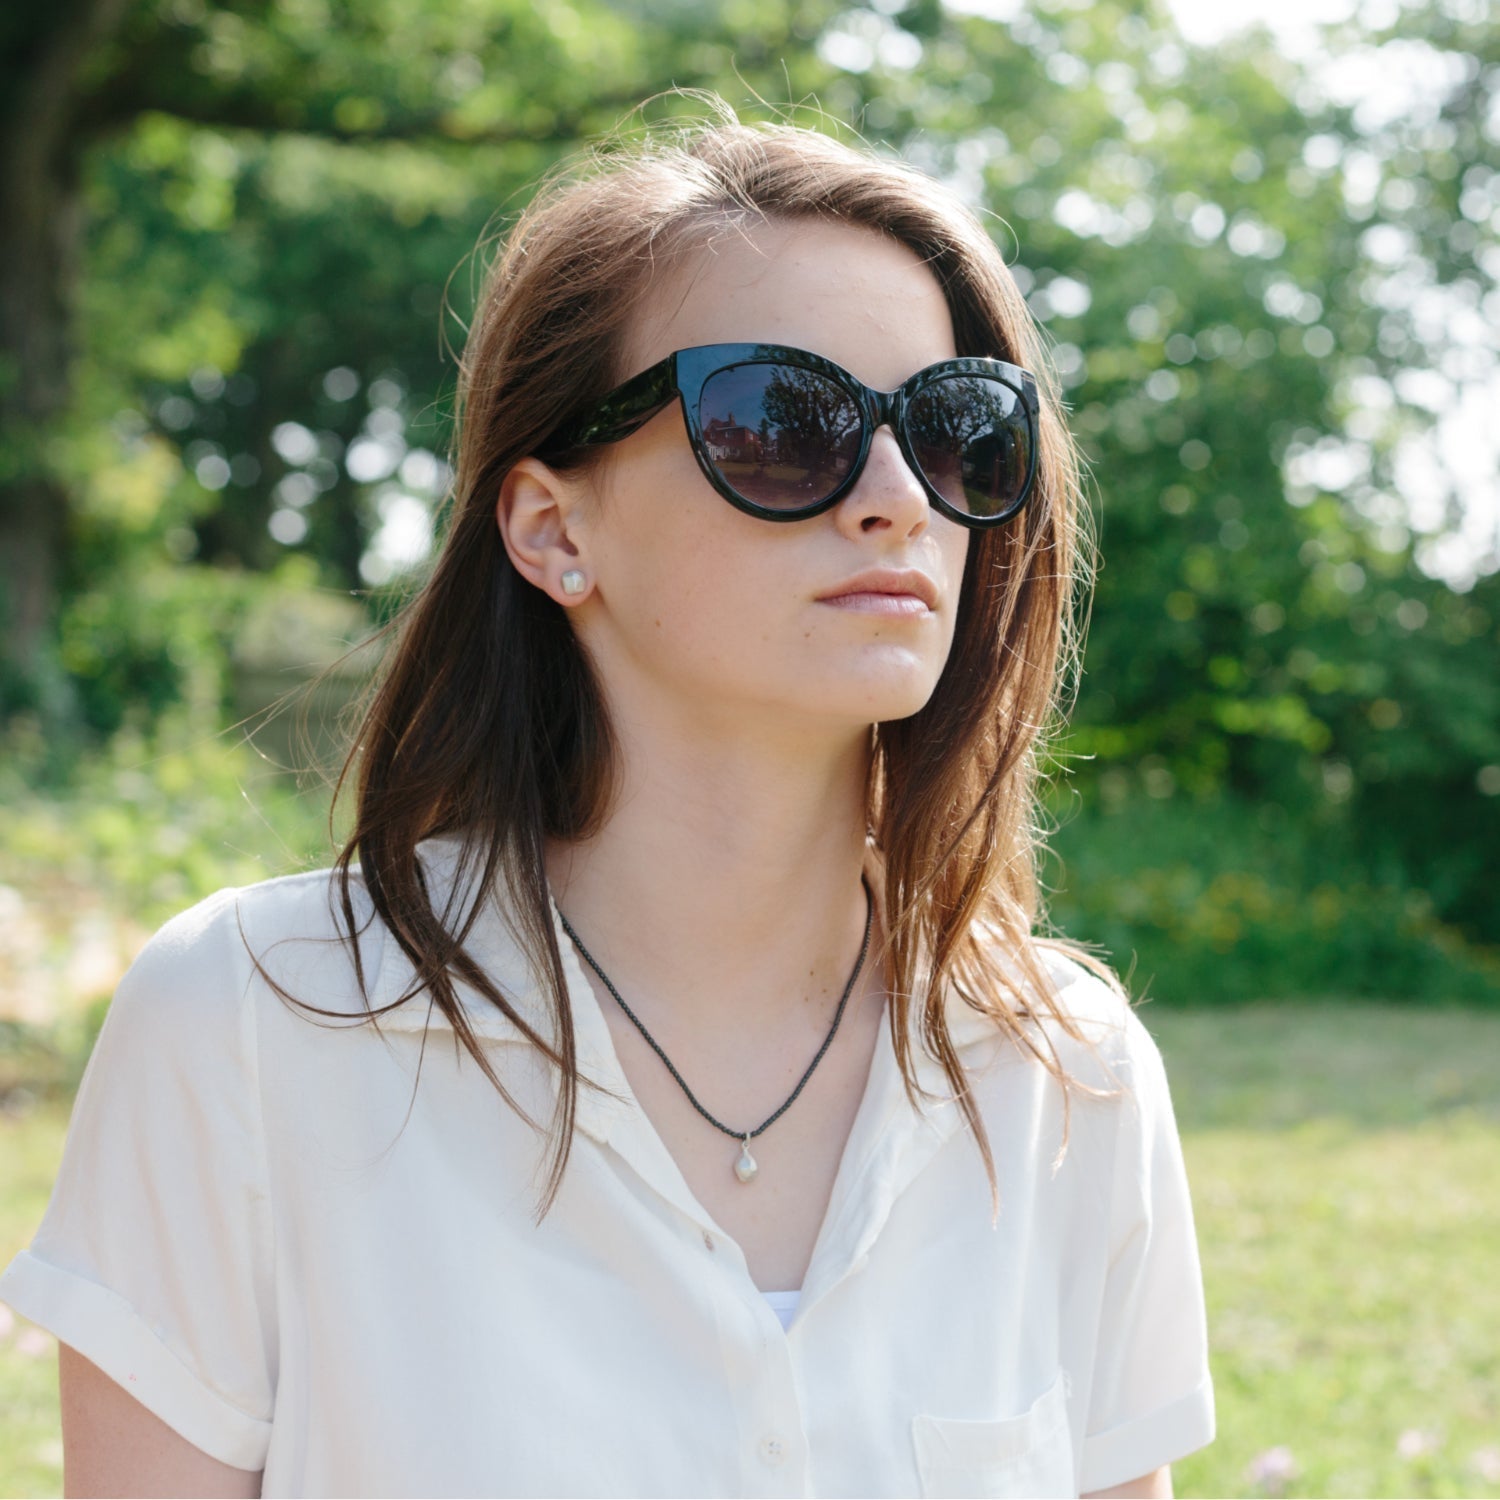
x=683, y=373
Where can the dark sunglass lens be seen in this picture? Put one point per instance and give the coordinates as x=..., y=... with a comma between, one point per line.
x=781, y=436
x=973, y=441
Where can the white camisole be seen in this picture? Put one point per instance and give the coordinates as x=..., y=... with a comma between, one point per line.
x=783, y=1304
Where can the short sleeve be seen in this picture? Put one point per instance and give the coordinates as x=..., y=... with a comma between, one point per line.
x=1151, y=1401
x=154, y=1257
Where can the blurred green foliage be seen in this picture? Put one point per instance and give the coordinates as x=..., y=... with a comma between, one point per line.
x=1286, y=749
x=157, y=819
x=1213, y=901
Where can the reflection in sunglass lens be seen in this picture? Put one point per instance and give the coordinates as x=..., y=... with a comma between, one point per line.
x=971, y=437
x=782, y=436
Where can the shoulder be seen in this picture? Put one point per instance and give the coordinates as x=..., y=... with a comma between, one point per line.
x=1120, y=1047
x=1096, y=1001
x=1086, y=1019
x=211, y=957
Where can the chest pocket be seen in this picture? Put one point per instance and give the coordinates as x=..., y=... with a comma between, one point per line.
x=1027, y=1455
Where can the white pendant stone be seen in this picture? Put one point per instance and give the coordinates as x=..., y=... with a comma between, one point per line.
x=746, y=1168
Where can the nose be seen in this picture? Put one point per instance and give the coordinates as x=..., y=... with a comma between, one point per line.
x=886, y=491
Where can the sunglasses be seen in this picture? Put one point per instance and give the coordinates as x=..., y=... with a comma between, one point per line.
x=784, y=434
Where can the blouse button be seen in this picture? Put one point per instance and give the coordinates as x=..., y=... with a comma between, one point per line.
x=771, y=1450
x=708, y=1241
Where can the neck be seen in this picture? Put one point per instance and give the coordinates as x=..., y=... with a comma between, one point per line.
x=725, y=889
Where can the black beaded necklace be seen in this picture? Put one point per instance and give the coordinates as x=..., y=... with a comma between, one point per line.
x=745, y=1168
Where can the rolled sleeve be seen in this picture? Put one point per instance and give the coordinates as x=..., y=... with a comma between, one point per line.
x=155, y=1256
x=1152, y=1399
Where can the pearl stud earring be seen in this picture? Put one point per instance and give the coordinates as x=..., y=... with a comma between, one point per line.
x=573, y=581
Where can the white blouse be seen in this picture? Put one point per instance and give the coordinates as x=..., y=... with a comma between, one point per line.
x=245, y=1237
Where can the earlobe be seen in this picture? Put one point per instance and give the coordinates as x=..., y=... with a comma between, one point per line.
x=538, y=517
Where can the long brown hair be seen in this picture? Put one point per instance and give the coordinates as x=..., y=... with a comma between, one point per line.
x=486, y=721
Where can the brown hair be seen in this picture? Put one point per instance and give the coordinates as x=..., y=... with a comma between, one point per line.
x=487, y=722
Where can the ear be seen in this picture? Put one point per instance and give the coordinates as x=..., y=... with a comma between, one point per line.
x=540, y=516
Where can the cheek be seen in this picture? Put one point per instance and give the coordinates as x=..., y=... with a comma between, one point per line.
x=724, y=588
x=684, y=554
x=958, y=557
x=957, y=544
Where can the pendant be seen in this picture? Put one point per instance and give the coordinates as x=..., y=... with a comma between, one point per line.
x=746, y=1167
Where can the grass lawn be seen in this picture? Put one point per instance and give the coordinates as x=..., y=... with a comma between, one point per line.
x=1345, y=1162
x=30, y=1437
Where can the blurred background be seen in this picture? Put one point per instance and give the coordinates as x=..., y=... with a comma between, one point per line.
x=239, y=245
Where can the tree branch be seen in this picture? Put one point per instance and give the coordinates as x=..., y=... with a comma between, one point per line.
x=256, y=112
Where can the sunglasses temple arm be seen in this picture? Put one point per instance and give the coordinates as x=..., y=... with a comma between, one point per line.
x=628, y=407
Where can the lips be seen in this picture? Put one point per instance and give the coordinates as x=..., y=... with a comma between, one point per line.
x=889, y=581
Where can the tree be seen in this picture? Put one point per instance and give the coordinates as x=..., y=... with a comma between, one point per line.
x=113, y=102
x=246, y=220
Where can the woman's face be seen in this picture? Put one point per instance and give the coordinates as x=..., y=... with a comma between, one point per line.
x=716, y=614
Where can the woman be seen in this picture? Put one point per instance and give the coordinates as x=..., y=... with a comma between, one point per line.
x=697, y=804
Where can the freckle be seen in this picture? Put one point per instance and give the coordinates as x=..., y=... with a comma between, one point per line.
x=658, y=624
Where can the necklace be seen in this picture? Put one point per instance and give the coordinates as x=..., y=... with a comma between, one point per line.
x=745, y=1168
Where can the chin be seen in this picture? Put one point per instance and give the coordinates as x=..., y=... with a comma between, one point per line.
x=878, y=707
x=903, y=711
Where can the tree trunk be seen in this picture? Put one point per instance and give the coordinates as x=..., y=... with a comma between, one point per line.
x=42, y=77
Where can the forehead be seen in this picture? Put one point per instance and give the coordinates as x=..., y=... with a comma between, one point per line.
x=850, y=294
